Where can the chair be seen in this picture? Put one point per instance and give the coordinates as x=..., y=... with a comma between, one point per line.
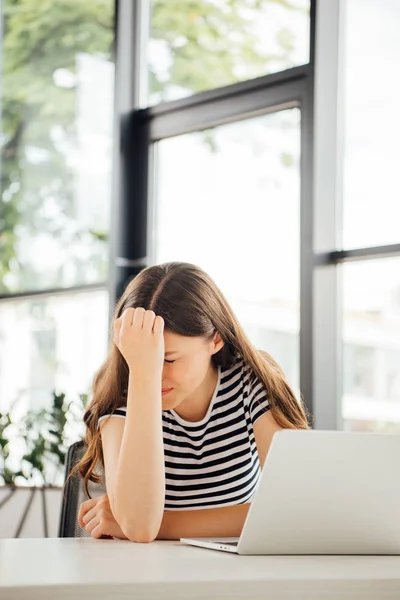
x=74, y=495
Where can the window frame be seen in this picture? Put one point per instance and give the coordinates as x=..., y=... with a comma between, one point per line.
x=138, y=129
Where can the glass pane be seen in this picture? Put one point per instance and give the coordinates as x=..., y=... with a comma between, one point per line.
x=371, y=209
x=55, y=142
x=228, y=200
x=371, y=338
x=197, y=45
x=55, y=343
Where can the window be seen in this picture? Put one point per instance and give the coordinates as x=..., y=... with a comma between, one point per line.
x=371, y=187
x=56, y=115
x=202, y=45
x=64, y=339
x=56, y=138
x=371, y=336
x=228, y=199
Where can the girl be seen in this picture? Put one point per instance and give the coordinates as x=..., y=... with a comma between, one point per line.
x=182, y=415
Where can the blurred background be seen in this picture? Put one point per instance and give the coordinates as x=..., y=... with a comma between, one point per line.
x=255, y=138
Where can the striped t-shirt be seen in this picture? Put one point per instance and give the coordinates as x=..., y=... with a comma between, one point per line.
x=214, y=462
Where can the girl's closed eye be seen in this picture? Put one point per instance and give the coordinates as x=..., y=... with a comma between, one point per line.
x=168, y=361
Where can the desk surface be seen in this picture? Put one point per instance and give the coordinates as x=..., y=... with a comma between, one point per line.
x=73, y=568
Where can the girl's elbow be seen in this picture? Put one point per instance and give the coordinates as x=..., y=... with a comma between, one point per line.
x=140, y=532
x=140, y=536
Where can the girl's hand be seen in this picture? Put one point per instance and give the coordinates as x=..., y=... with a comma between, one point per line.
x=96, y=517
x=139, y=336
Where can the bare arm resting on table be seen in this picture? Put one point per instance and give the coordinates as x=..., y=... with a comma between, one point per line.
x=211, y=522
x=97, y=518
x=134, y=467
x=96, y=515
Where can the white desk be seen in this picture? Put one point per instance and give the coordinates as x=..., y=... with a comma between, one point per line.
x=87, y=568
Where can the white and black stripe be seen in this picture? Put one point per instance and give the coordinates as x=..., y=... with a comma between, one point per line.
x=214, y=462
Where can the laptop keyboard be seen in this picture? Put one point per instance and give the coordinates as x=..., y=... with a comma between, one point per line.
x=229, y=543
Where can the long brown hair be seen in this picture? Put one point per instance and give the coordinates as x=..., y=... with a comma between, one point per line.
x=191, y=304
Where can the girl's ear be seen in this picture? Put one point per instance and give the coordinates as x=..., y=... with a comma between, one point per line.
x=217, y=343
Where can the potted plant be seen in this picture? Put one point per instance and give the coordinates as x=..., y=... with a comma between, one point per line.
x=44, y=437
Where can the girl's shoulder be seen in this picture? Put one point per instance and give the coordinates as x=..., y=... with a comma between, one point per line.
x=118, y=412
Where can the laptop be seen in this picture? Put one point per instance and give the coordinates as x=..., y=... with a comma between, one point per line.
x=322, y=492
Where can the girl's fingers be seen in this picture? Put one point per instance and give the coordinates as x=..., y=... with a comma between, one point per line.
x=158, y=327
x=85, y=507
x=117, y=328
x=92, y=524
x=138, y=317
x=97, y=532
x=148, y=320
x=89, y=515
x=127, y=316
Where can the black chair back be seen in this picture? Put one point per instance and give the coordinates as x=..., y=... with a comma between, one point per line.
x=74, y=495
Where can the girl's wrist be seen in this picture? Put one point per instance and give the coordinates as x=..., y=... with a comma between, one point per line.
x=144, y=374
x=142, y=380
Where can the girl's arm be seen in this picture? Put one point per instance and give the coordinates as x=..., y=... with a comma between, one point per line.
x=134, y=461
x=139, y=485
x=211, y=522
